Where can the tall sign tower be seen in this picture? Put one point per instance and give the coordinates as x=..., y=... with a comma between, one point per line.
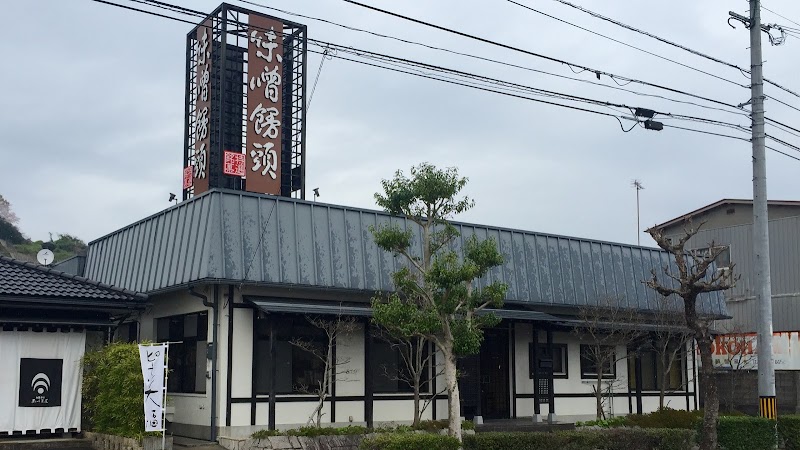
x=245, y=104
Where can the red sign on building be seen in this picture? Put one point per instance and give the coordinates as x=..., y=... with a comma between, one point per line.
x=188, y=175
x=233, y=163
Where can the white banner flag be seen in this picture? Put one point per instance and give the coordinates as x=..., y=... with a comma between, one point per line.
x=152, y=358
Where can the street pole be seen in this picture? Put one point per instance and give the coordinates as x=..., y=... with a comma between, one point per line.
x=766, y=366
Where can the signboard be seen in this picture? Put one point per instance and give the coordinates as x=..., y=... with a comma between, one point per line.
x=234, y=163
x=188, y=173
x=264, y=105
x=40, y=382
x=202, y=95
x=739, y=351
x=152, y=359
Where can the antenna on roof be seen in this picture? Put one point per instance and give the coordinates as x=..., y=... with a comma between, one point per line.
x=638, y=186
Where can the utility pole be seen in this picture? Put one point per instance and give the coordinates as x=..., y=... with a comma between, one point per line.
x=766, y=366
x=638, y=186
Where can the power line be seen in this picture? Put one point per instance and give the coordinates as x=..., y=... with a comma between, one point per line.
x=739, y=111
x=574, y=98
x=782, y=17
x=597, y=72
x=628, y=45
x=674, y=44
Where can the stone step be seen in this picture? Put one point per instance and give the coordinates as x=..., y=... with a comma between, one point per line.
x=43, y=443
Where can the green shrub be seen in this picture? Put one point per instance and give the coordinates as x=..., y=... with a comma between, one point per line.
x=789, y=431
x=410, y=441
x=612, y=439
x=261, y=434
x=312, y=432
x=746, y=433
x=619, y=421
x=112, y=390
x=666, y=418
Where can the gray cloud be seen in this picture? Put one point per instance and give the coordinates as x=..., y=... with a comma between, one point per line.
x=92, y=123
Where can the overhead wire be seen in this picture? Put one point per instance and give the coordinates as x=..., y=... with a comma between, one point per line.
x=573, y=98
x=779, y=15
x=597, y=72
x=734, y=109
x=530, y=8
x=671, y=43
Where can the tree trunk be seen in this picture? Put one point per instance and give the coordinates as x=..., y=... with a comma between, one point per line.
x=417, y=412
x=598, y=393
x=708, y=435
x=453, y=397
x=663, y=382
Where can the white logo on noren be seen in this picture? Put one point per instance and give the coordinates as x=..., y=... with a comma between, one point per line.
x=41, y=383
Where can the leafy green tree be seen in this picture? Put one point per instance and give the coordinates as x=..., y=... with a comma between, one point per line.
x=436, y=295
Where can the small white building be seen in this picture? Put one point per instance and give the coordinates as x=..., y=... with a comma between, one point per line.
x=232, y=276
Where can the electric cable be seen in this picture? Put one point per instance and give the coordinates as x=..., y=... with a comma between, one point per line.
x=782, y=17
x=498, y=91
x=674, y=44
x=735, y=83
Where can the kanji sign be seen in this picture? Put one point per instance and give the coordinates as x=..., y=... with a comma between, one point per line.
x=264, y=105
x=188, y=174
x=202, y=135
x=234, y=163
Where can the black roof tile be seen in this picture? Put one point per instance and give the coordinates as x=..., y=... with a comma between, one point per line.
x=22, y=279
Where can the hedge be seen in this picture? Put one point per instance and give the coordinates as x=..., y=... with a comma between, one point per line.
x=789, y=430
x=410, y=441
x=112, y=391
x=746, y=433
x=612, y=439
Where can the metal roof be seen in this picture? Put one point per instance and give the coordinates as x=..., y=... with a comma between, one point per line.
x=26, y=281
x=717, y=204
x=240, y=237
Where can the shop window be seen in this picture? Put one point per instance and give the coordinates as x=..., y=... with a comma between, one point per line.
x=297, y=371
x=560, y=365
x=390, y=370
x=188, y=342
x=652, y=371
x=593, y=356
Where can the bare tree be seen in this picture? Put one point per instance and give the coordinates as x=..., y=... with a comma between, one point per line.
x=416, y=371
x=333, y=367
x=695, y=276
x=602, y=328
x=6, y=213
x=670, y=341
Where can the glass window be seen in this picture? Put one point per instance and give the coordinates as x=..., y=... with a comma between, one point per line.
x=594, y=355
x=653, y=370
x=560, y=367
x=390, y=371
x=188, y=341
x=297, y=370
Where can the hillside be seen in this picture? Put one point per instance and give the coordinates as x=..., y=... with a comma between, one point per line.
x=14, y=244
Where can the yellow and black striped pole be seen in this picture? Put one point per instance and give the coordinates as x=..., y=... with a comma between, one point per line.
x=768, y=407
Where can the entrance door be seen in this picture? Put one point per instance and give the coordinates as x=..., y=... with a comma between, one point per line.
x=495, y=375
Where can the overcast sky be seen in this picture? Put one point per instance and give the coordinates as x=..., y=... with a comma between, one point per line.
x=91, y=123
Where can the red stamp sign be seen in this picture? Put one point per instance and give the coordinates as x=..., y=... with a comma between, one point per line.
x=233, y=163
x=188, y=177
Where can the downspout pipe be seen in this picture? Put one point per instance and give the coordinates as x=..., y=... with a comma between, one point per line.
x=214, y=320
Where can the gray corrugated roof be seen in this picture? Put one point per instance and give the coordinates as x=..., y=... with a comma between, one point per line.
x=21, y=280
x=251, y=238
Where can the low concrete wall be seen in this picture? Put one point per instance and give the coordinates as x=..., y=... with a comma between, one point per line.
x=110, y=442
x=293, y=443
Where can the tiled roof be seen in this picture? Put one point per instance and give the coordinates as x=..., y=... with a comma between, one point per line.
x=25, y=280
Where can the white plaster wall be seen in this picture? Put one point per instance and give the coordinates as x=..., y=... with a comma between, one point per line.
x=192, y=409
x=242, y=373
x=346, y=410
x=295, y=414
x=262, y=413
x=350, y=377
x=240, y=414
